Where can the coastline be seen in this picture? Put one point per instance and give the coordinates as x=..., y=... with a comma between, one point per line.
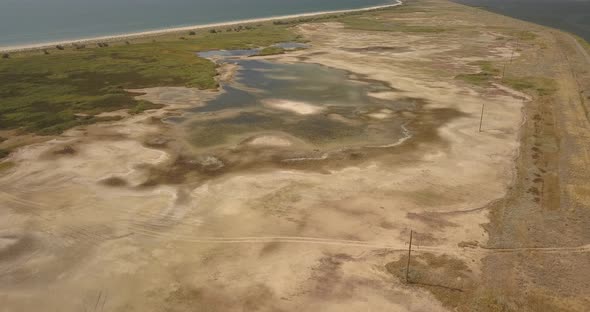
x=150, y=33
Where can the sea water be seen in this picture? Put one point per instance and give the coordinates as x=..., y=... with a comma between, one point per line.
x=25, y=22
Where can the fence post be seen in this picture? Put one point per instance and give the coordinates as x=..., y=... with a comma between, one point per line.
x=483, y=106
x=409, y=256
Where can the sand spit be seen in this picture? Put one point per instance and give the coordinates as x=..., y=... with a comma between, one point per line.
x=382, y=114
x=151, y=33
x=296, y=107
x=237, y=227
x=270, y=140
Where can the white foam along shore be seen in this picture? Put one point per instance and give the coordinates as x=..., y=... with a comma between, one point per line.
x=47, y=45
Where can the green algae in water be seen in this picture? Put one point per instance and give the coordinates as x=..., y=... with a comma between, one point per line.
x=316, y=129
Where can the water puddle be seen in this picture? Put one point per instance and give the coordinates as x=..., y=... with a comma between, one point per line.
x=226, y=54
x=292, y=45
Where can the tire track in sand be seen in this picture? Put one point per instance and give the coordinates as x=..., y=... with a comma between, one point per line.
x=309, y=240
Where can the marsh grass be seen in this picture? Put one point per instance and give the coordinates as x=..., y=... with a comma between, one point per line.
x=489, y=73
x=271, y=51
x=525, y=35
x=540, y=85
x=582, y=42
x=482, y=78
x=371, y=24
x=47, y=94
x=4, y=153
x=4, y=166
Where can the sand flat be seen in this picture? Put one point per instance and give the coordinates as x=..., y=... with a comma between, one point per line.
x=270, y=140
x=328, y=232
x=296, y=107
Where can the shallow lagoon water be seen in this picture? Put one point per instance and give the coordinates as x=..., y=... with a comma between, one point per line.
x=291, y=45
x=345, y=105
x=227, y=53
x=259, y=80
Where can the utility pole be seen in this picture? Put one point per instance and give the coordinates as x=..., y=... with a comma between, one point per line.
x=409, y=256
x=483, y=106
x=513, y=50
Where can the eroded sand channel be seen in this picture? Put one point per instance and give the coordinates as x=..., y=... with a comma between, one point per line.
x=135, y=212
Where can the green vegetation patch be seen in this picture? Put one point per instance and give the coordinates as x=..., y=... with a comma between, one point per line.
x=271, y=51
x=486, y=74
x=5, y=166
x=4, y=153
x=540, y=85
x=49, y=93
x=583, y=42
x=380, y=24
x=301, y=20
x=525, y=35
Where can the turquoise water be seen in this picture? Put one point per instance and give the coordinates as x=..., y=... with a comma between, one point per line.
x=38, y=21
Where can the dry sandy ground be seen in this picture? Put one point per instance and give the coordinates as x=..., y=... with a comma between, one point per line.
x=82, y=230
x=296, y=107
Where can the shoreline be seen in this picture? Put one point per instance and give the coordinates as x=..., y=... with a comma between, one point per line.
x=156, y=32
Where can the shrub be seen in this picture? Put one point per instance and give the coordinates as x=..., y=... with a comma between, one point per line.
x=192, y=33
x=5, y=56
x=270, y=51
x=59, y=47
x=4, y=153
x=540, y=85
x=487, y=73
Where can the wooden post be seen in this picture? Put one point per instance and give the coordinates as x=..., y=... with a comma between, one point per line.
x=409, y=256
x=483, y=106
x=513, y=50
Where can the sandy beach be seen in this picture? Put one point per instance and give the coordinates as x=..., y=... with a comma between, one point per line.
x=156, y=32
